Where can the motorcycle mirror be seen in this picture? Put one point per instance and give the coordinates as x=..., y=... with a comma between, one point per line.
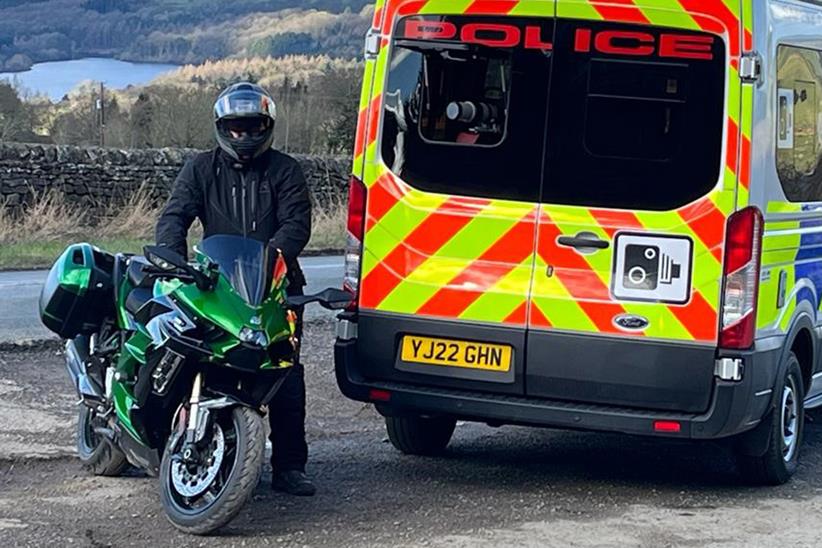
x=169, y=260
x=165, y=258
x=331, y=299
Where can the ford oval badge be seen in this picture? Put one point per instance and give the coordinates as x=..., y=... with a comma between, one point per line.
x=631, y=322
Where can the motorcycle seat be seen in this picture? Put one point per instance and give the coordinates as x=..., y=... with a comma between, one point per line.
x=137, y=299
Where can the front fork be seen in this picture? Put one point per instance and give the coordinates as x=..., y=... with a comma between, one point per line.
x=190, y=453
x=196, y=419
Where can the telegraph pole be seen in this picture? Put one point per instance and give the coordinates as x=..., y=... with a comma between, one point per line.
x=287, y=132
x=101, y=108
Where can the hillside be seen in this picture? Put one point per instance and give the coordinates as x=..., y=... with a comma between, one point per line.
x=177, y=31
x=316, y=99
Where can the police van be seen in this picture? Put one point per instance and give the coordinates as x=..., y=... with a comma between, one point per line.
x=598, y=215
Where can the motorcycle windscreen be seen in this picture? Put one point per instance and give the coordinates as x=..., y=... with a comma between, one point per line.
x=243, y=262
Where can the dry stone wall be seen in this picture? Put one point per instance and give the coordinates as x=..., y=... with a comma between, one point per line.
x=98, y=177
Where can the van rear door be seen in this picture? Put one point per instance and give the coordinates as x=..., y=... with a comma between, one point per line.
x=453, y=173
x=640, y=177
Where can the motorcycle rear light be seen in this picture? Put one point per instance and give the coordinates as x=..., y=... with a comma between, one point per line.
x=357, y=195
x=740, y=287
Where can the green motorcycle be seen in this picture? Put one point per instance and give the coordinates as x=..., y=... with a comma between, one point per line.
x=175, y=362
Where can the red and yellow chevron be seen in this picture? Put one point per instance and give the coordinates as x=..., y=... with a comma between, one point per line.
x=489, y=261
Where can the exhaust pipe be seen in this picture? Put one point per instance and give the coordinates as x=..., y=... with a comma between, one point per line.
x=88, y=390
x=107, y=433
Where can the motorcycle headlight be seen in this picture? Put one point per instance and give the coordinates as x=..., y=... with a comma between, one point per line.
x=257, y=338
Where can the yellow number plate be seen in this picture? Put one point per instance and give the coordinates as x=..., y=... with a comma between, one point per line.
x=471, y=355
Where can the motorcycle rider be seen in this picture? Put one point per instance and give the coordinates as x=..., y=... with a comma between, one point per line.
x=245, y=187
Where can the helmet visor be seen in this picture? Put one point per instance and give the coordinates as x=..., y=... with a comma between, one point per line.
x=244, y=103
x=253, y=126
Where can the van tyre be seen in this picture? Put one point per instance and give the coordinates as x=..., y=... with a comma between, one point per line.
x=420, y=435
x=97, y=453
x=225, y=495
x=785, y=426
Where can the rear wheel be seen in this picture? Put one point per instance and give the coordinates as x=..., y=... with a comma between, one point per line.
x=200, y=497
x=420, y=435
x=785, y=425
x=96, y=451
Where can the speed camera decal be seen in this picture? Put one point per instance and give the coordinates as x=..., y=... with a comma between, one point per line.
x=652, y=268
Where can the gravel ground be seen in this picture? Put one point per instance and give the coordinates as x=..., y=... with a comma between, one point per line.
x=494, y=487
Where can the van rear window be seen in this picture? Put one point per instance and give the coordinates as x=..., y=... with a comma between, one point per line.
x=634, y=122
x=464, y=117
x=581, y=113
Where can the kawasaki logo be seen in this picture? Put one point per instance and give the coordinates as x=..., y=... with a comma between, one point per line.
x=609, y=42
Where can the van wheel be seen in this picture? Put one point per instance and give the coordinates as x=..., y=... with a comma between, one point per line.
x=420, y=435
x=785, y=425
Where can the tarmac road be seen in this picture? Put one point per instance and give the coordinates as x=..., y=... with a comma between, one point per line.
x=20, y=294
x=494, y=487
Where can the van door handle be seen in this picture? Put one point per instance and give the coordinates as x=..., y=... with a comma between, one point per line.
x=583, y=241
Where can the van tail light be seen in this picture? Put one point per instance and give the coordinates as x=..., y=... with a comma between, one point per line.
x=354, y=237
x=740, y=286
x=668, y=427
x=379, y=395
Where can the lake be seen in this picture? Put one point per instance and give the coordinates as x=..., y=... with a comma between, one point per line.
x=57, y=78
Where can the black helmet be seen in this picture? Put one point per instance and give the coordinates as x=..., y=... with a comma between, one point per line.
x=244, y=117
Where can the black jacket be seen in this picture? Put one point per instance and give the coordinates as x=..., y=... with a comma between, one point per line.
x=267, y=200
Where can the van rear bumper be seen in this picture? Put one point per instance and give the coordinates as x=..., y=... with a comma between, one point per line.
x=734, y=408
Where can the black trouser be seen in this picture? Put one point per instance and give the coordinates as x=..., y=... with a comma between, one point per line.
x=286, y=414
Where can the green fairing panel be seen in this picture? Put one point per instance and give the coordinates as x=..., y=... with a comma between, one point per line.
x=122, y=314
x=229, y=311
x=130, y=361
x=123, y=403
x=135, y=348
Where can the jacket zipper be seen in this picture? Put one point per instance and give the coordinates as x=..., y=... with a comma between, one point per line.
x=234, y=198
x=245, y=219
x=253, y=205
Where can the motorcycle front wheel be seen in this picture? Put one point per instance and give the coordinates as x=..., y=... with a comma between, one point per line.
x=202, y=497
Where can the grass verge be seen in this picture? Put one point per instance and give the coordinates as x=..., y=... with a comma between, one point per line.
x=34, y=237
x=32, y=255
